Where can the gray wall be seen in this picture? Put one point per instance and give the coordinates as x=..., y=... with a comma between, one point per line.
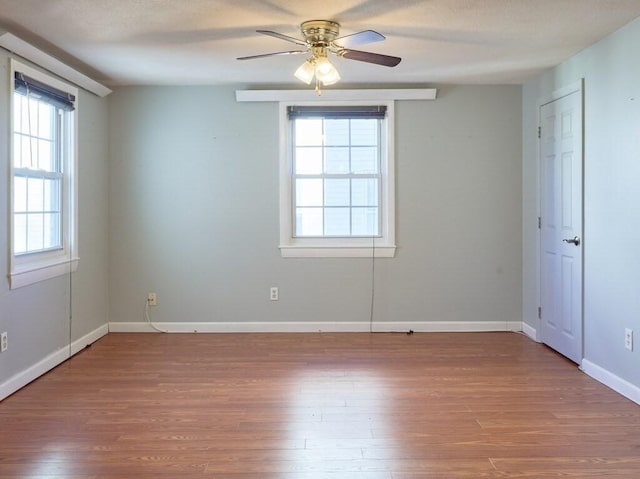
x=611, y=196
x=36, y=317
x=194, y=213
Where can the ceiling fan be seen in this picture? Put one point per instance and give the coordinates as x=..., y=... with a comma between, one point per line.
x=321, y=38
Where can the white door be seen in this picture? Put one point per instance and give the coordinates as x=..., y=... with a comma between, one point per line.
x=561, y=138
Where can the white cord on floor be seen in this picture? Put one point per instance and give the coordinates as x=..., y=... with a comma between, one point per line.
x=146, y=316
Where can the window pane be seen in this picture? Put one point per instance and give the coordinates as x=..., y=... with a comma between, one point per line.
x=45, y=156
x=52, y=230
x=17, y=150
x=308, y=221
x=27, y=159
x=364, y=192
x=24, y=119
x=35, y=227
x=336, y=192
x=309, y=161
x=364, y=132
x=51, y=195
x=336, y=222
x=308, y=132
x=35, y=194
x=17, y=112
x=19, y=194
x=336, y=132
x=32, y=117
x=364, y=222
x=309, y=192
x=364, y=160
x=45, y=121
x=336, y=160
x=20, y=233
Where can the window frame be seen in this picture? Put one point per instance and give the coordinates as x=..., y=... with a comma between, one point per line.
x=31, y=267
x=338, y=247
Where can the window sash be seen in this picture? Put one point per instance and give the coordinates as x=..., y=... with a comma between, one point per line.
x=323, y=210
x=38, y=215
x=37, y=227
x=37, y=133
x=29, y=172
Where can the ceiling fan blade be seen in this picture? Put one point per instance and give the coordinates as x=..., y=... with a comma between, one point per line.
x=377, y=58
x=360, y=38
x=292, y=52
x=283, y=37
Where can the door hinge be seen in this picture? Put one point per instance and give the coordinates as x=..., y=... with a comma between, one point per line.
x=539, y=132
x=539, y=312
x=539, y=222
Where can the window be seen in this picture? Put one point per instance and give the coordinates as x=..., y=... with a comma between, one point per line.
x=42, y=181
x=337, y=180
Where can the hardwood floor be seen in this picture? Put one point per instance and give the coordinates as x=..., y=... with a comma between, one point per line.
x=318, y=406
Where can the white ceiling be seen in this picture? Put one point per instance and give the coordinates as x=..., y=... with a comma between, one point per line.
x=124, y=42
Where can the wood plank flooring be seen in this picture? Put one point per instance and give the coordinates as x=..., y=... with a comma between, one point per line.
x=318, y=406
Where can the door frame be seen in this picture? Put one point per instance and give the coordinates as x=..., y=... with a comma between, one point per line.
x=567, y=90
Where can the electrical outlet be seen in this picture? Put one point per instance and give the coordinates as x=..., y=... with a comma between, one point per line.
x=274, y=294
x=628, y=339
x=4, y=342
x=152, y=299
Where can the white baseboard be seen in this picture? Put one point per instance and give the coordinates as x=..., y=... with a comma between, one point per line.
x=25, y=377
x=530, y=331
x=314, y=327
x=88, y=339
x=628, y=390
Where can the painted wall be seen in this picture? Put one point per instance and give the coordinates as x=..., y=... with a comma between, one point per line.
x=611, y=197
x=194, y=214
x=36, y=317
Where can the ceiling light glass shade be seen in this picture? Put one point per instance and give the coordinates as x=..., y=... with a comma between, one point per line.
x=323, y=66
x=330, y=78
x=326, y=72
x=305, y=72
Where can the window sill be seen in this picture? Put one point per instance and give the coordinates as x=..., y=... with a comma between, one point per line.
x=304, y=251
x=35, y=272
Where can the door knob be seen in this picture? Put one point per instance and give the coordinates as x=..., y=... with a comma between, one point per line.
x=575, y=240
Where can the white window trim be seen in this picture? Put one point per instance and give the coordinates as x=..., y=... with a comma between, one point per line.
x=34, y=267
x=382, y=246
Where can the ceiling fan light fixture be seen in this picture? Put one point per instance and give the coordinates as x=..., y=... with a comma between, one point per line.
x=305, y=72
x=321, y=38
